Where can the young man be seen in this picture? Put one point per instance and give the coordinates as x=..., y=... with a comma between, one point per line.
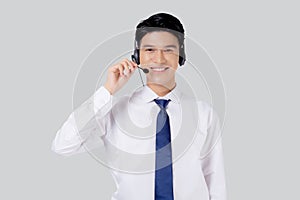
x=182, y=156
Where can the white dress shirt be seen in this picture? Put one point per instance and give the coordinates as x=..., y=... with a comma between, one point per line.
x=128, y=125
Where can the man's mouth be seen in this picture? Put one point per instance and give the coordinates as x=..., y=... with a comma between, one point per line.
x=159, y=69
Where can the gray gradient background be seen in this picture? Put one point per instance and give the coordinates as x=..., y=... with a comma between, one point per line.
x=255, y=45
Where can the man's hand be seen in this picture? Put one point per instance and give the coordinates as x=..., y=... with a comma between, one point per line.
x=119, y=74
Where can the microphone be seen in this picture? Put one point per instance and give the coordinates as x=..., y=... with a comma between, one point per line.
x=144, y=70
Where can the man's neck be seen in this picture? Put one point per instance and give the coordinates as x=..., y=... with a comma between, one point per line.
x=161, y=90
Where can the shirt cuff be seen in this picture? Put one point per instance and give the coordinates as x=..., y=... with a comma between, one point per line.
x=102, y=97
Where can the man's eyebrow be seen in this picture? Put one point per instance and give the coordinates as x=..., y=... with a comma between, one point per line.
x=167, y=46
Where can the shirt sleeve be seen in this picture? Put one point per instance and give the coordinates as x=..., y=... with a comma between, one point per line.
x=85, y=125
x=213, y=161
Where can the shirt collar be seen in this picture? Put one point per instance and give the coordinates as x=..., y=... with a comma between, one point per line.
x=147, y=95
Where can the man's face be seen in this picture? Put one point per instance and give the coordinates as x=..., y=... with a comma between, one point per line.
x=159, y=52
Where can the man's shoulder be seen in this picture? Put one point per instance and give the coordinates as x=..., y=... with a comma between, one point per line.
x=202, y=105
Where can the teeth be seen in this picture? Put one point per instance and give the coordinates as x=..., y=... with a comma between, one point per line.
x=158, y=69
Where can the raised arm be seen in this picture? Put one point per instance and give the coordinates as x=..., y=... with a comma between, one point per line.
x=91, y=120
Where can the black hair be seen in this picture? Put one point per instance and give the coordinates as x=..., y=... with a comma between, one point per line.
x=160, y=22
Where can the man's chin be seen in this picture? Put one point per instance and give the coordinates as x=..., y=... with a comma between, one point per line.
x=160, y=81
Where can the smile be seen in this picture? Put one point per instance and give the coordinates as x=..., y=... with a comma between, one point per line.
x=159, y=69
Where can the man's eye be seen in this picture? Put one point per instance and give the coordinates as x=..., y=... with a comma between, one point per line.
x=149, y=49
x=168, y=50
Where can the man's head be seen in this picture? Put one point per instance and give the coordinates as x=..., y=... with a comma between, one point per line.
x=162, y=22
x=159, y=43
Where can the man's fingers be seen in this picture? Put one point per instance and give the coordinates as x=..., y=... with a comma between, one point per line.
x=124, y=68
x=130, y=65
x=121, y=69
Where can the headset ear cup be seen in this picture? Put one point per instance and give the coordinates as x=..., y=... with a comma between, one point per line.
x=181, y=56
x=133, y=58
x=136, y=57
x=181, y=61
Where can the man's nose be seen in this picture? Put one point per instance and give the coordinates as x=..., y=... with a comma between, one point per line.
x=159, y=56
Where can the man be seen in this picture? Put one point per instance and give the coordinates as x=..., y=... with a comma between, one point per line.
x=182, y=169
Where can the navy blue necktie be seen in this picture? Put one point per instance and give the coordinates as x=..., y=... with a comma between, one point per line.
x=163, y=156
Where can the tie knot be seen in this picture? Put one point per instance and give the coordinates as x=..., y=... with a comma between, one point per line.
x=162, y=103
